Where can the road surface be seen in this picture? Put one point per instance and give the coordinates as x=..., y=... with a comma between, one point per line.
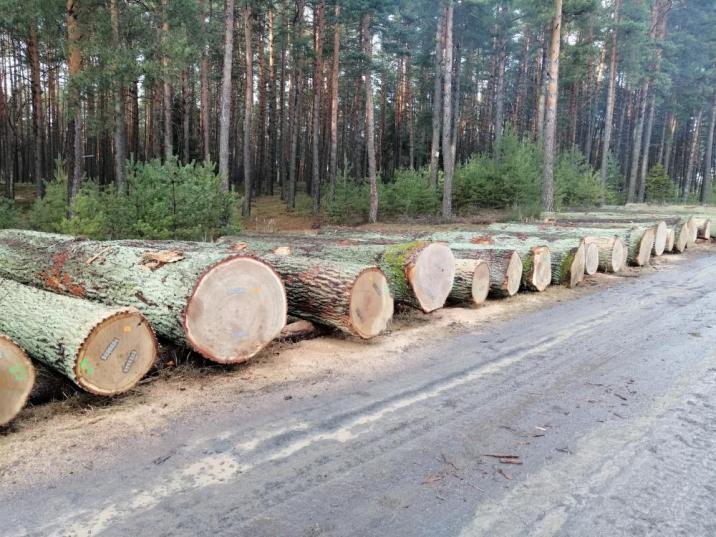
x=595, y=416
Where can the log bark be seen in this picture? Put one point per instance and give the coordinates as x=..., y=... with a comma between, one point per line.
x=225, y=308
x=349, y=297
x=535, y=259
x=103, y=350
x=472, y=282
x=505, y=268
x=420, y=274
x=17, y=377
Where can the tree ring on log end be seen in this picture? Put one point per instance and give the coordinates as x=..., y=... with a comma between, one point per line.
x=576, y=269
x=238, y=307
x=480, y=282
x=591, y=259
x=542, y=268
x=17, y=376
x=431, y=276
x=371, y=305
x=116, y=354
x=646, y=245
x=513, y=275
x=660, y=238
x=619, y=255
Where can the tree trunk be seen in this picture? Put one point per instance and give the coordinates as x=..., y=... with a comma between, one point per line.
x=500, y=85
x=505, y=268
x=74, y=70
x=369, y=119
x=641, y=190
x=273, y=133
x=227, y=309
x=38, y=121
x=706, y=186
x=333, y=167
x=225, y=114
x=437, y=102
x=204, y=91
x=550, y=128
x=319, y=24
x=103, y=350
x=248, y=108
x=448, y=155
x=120, y=130
x=17, y=378
x=636, y=143
x=693, y=155
x=167, y=93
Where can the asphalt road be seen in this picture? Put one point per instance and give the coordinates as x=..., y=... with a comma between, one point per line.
x=603, y=409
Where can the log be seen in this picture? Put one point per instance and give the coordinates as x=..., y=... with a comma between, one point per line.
x=591, y=258
x=703, y=226
x=609, y=253
x=536, y=261
x=349, y=297
x=225, y=308
x=420, y=274
x=472, y=282
x=104, y=350
x=17, y=377
x=670, y=240
x=567, y=256
x=659, y=227
x=504, y=268
x=638, y=240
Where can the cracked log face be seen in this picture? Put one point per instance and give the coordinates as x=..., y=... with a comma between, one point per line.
x=237, y=308
x=116, y=354
x=513, y=274
x=431, y=274
x=17, y=376
x=371, y=304
x=591, y=258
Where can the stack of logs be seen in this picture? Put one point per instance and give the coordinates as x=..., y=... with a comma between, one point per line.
x=89, y=310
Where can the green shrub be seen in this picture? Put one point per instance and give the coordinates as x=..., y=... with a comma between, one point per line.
x=162, y=201
x=659, y=186
x=576, y=183
x=8, y=214
x=349, y=204
x=409, y=195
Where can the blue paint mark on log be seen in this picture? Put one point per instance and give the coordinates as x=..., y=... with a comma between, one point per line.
x=240, y=334
x=238, y=291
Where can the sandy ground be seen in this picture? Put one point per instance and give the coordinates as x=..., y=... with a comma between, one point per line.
x=65, y=431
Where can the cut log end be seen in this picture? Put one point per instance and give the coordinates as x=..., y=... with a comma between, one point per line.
x=670, y=240
x=705, y=230
x=17, y=377
x=693, y=232
x=431, y=276
x=542, y=270
x=681, y=237
x=646, y=246
x=577, y=266
x=513, y=275
x=371, y=304
x=480, y=282
x=116, y=354
x=661, y=232
x=237, y=308
x=591, y=259
x=619, y=256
